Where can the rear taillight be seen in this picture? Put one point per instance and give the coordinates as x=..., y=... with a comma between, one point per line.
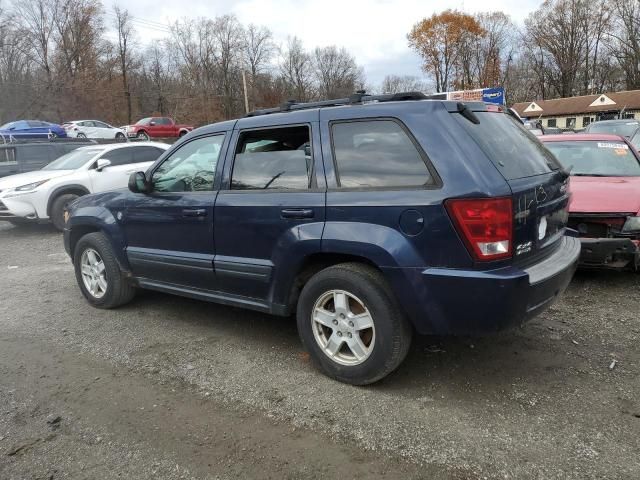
x=485, y=225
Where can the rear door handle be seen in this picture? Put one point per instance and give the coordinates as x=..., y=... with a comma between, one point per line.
x=297, y=213
x=194, y=212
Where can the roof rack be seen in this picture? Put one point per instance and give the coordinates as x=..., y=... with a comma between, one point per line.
x=360, y=97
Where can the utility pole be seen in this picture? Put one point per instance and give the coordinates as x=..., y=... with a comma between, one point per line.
x=246, y=97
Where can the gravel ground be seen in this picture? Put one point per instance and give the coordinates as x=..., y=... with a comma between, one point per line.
x=174, y=388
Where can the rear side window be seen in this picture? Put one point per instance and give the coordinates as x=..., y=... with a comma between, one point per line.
x=120, y=156
x=277, y=158
x=377, y=153
x=514, y=151
x=35, y=154
x=146, y=154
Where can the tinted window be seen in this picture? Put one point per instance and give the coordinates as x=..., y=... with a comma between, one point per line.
x=100, y=125
x=512, y=149
x=592, y=158
x=38, y=154
x=377, y=153
x=120, y=156
x=636, y=140
x=272, y=159
x=162, y=121
x=191, y=168
x=146, y=154
x=7, y=155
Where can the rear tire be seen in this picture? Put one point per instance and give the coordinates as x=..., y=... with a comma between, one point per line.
x=182, y=134
x=323, y=323
x=58, y=207
x=118, y=290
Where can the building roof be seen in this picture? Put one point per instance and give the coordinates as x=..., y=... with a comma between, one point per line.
x=580, y=105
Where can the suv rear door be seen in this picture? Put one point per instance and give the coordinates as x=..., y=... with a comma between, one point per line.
x=270, y=211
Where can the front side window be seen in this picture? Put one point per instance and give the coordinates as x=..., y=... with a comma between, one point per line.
x=377, y=153
x=146, y=154
x=191, y=168
x=276, y=158
x=144, y=121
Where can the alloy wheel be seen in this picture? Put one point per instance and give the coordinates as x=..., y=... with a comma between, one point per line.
x=343, y=327
x=93, y=273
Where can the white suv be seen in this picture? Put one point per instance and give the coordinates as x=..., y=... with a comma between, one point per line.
x=42, y=195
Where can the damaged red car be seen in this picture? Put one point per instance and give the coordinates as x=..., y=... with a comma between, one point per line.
x=605, y=202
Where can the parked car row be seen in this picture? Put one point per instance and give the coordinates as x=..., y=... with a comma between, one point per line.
x=144, y=129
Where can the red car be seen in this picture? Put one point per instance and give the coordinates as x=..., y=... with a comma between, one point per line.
x=157, y=127
x=605, y=202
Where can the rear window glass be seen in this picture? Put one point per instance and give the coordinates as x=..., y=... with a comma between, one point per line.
x=597, y=159
x=625, y=129
x=377, y=153
x=514, y=151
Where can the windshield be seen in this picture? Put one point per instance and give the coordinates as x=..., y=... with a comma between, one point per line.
x=623, y=129
x=144, y=121
x=598, y=159
x=513, y=149
x=73, y=160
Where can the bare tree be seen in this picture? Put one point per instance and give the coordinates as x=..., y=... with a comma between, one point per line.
x=624, y=40
x=402, y=83
x=125, y=30
x=336, y=72
x=296, y=69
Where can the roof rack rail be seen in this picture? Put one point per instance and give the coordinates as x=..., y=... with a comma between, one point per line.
x=359, y=97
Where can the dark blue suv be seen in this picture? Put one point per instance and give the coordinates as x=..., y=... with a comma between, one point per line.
x=368, y=217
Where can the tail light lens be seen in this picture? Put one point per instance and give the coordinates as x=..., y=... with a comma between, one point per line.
x=485, y=225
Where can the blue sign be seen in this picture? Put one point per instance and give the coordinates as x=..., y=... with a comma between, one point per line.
x=493, y=95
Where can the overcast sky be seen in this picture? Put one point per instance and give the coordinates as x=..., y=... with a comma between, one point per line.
x=373, y=31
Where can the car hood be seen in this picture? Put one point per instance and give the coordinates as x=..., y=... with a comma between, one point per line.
x=13, y=181
x=605, y=194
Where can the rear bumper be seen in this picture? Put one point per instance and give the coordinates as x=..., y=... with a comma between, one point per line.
x=616, y=253
x=470, y=302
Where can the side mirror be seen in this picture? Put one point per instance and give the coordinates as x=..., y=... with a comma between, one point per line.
x=152, y=124
x=138, y=183
x=102, y=164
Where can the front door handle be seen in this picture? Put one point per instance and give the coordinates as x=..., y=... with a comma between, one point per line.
x=297, y=213
x=194, y=212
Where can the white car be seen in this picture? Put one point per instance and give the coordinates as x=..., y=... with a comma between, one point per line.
x=42, y=195
x=93, y=129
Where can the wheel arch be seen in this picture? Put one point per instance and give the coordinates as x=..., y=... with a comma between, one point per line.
x=75, y=189
x=315, y=263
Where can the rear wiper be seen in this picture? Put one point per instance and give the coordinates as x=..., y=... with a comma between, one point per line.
x=464, y=110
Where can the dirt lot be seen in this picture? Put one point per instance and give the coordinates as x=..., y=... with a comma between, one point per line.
x=173, y=388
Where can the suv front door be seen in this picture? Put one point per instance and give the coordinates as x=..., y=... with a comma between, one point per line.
x=271, y=206
x=170, y=230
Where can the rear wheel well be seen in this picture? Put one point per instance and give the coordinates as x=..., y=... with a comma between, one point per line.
x=77, y=233
x=73, y=190
x=314, y=264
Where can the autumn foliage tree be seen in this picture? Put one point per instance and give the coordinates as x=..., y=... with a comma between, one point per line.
x=444, y=42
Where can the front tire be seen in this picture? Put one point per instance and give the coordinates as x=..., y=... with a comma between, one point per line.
x=58, y=207
x=98, y=274
x=351, y=324
x=120, y=136
x=143, y=136
x=81, y=135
